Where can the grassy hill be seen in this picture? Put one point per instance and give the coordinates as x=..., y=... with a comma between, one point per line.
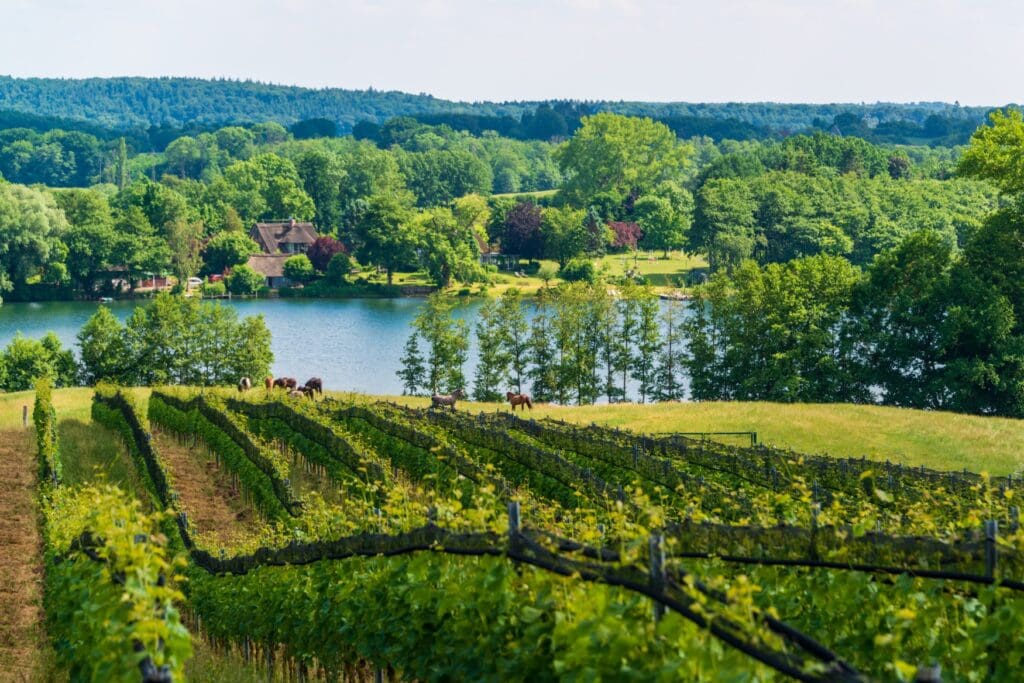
x=946, y=441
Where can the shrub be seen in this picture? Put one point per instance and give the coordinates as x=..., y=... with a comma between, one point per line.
x=299, y=268
x=579, y=270
x=214, y=289
x=547, y=273
x=244, y=280
x=338, y=268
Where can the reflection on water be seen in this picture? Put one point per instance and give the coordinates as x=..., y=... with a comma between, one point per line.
x=352, y=344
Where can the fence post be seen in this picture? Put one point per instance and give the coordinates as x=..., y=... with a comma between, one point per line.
x=514, y=527
x=24, y=416
x=1014, y=519
x=991, y=531
x=657, y=552
x=378, y=675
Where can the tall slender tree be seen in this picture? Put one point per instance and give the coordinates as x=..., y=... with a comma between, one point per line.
x=447, y=340
x=668, y=386
x=413, y=373
x=492, y=357
x=122, y=164
x=629, y=319
x=648, y=343
x=610, y=343
x=514, y=336
x=543, y=370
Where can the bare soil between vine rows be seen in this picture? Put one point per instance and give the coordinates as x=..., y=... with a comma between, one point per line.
x=21, y=560
x=215, y=508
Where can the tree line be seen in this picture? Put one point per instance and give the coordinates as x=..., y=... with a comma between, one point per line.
x=572, y=344
x=431, y=200
x=171, y=340
x=127, y=102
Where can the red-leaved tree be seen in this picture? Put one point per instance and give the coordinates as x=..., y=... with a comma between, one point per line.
x=627, y=234
x=522, y=231
x=321, y=251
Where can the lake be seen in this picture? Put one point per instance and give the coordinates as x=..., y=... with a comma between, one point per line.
x=352, y=344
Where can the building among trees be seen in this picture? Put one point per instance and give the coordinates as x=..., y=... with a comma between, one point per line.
x=279, y=241
x=284, y=237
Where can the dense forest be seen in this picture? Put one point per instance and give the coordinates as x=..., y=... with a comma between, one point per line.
x=141, y=103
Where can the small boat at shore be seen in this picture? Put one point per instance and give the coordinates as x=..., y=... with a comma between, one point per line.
x=674, y=296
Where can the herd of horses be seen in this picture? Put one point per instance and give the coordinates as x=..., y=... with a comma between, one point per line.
x=315, y=385
x=312, y=387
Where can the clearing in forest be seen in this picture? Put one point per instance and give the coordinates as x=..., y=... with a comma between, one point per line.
x=213, y=503
x=21, y=562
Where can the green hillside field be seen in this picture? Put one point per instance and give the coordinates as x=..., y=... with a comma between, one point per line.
x=945, y=441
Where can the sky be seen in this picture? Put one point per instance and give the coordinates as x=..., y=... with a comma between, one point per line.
x=471, y=50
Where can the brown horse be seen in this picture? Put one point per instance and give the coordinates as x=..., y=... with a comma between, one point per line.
x=268, y=382
x=244, y=384
x=315, y=384
x=286, y=383
x=441, y=400
x=519, y=400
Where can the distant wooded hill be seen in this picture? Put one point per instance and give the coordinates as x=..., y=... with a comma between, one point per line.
x=134, y=103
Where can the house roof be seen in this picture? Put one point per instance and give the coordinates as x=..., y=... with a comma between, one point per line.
x=268, y=265
x=270, y=235
x=485, y=247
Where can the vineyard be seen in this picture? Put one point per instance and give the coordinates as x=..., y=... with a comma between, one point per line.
x=374, y=540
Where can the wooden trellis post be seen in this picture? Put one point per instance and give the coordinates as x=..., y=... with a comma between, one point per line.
x=991, y=553
x=657, y=559
x=514, y=525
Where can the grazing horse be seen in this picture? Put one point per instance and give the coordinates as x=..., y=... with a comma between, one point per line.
x=268, y=382
x=519, y=400
x=295, y=393
x=286, y=383
x=315, y=384
x=440, y=400
x=244, y=384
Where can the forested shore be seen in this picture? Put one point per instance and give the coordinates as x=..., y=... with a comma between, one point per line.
x=821, y=267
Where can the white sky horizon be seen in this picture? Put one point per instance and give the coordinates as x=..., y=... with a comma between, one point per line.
x=792, y=51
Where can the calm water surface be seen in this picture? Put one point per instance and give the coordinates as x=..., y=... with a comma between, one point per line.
x=353, y=344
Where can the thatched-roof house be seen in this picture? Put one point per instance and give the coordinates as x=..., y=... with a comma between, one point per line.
x=284, y=237
x=271, y=267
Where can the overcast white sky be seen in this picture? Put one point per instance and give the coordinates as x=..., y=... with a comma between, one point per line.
x=688, y=50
